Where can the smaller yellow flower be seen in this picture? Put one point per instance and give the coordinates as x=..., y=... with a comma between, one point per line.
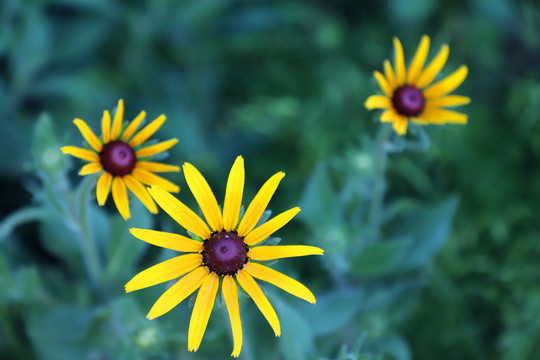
x=122, y=156
x=410, y=94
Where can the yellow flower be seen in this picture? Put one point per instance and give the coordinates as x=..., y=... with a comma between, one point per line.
x=121, y=155
x=227, y=255
x=409, y=94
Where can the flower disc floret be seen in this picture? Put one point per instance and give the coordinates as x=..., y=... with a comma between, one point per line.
x=408, y=100
x=118, y=158
x=225, y=253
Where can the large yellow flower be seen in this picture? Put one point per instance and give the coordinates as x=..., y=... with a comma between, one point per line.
x=409, y=94
x=228, y=253
x=121, y=155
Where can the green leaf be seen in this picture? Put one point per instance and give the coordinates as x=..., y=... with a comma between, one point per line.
x=380, y=259
x=297, y=338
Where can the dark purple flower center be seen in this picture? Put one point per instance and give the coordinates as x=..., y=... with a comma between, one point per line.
x=225, y=253
x=408, y=100
x=117, y=158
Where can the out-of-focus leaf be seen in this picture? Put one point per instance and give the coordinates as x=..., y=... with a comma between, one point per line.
x=380, y=259
x=297, y=338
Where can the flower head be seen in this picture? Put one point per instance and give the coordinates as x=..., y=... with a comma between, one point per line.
x=121, y=155
x=410, y=94
x=228, y=253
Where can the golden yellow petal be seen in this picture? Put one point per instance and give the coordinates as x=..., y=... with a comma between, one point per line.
x=233, y=195
x=263, y=253
x=140, y=192
x=383, y=84
x=178, y=292
x=447, y=84
x=254, y=291
x=156, y=167
x=106, y=126
x=133, y=126
x=258, y=204
x=102, y=188
x=399, y=62
x=117, y=122
x=443, y=116
x=229, y=291
x=148, y=131
x=167, y=240
x=269, y=227
x=88, y=134
x=164, y=271
x=400, y=125
x=389, y=73
x=80, y=153
x=120, y=197
x=280, y=280
x=433, y=69
x=202, y=310
x=448, y=101
x=378, y=102
x=418, y=61
x=150, y=179
x=389, y=115
x=91, y=168
x=156, y=149
x=204, y=196
x=180, y=212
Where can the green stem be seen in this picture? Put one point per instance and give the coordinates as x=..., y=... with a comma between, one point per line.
x=19, y=217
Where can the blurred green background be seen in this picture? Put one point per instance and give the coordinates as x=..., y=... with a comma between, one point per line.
x=449, y=272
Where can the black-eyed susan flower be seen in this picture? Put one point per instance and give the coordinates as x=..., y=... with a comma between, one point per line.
x=229, y=253
x=410, y=94
x=121, y=155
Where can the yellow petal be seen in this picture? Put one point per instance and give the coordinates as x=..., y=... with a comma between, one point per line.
x=178, y=292
x=180, y=212
x=204, y=196
x=88, y=134
x=102, y=188
x=449, y=101
x=418, y=61
x=133, y=126
x=106, y=126
x=139, y=190
x=157, y=148
x=80, y=153
x=443, y=116
x=254, y=291
x=383, y=84
x=280, y=280
x=164, y=271
x=230, y=295
x=148, y=131
x=167, y=240
x=258, y=204
x=399, y=62
x=156, y=167
x=448, y=84
x=400, y=125
x=433, y=69
x=389, y=115
x=117, y=122
x=202, y=310
x=389, y=73
x=91, y=168
x=233, y=195
x=378, y=102
x=150, y=179
x=120, y=197
x=271, y=226
x=263, y=253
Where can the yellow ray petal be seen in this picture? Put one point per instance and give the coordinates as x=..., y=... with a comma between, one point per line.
x=418, y=61
x=80, y=153
x=202, y=310
x=258, y=204
x=139, y=190
x=204, y=196
x=148, y=131
x=102, y=188
x=399, y=62
x=133, y=126
x=280, y=280
x=180, y=212
x=167, y=240
x=156, y=167
x=120, y=197
x=164, y=271
x=433, y=69
x=383, y=84
x=150, y=179
x=271, y=226
x=230, y=295
x=157, y=148
x=443, y=116
x=448, y=101
x=233, y=195
x=378, y=102
x=88, y=134
x=178, y=292
x=263, y=253
x=389, y=115
x=106, y=126
x=254, y=291
x=447, y=84
x=400, y=125
x=91, y=168
x=117, y=122
x=389, y=73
